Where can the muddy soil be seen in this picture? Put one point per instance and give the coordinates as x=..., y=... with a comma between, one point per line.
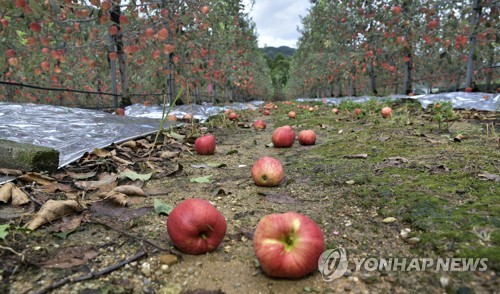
x=377, y=187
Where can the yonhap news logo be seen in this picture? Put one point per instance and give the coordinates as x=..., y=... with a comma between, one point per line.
x=333, y=264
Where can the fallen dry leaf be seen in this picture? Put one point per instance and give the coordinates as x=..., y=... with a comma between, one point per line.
x=37, y=178
x=490, y=177
x=10, y=192
x=70, y=257
x=116, y=197
x=130, y=144
x=54, y=209
x=68, y=223
x=99, y=152
x=81, y=176
x=19, y=197
x=93, y=185
x=169, y=154
x=130, y=190
x=10, y=172
x=121, y=160
x=6, y=192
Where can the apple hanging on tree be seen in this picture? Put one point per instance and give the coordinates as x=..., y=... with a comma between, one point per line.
x=196, y=226
x=288, y=245
x=205, y=145
x=267, y=172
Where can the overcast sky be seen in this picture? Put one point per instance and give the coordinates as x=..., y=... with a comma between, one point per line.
x=277, y=21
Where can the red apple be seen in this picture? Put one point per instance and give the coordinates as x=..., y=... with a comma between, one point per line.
x=148, y=103
x=267, y=112
x=267, y=172
x=172, y=117
x=307, y=137
x=120, y=111
x=233, y=116
x=335, y=110
x=468, y=89
x=288, y=245
x=259, y=124
x=205, y=9
x=358, y=111
x=5, y=22
x=196, y=226
x=386, y=112
x=291, y=114
x=283, y=137
x=205, y=145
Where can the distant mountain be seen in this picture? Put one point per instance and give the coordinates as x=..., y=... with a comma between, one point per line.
x=273, y=51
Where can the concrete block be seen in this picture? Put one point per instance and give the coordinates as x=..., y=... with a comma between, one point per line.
x=28, y=157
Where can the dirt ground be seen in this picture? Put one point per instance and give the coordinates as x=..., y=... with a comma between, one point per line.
x=398, y=187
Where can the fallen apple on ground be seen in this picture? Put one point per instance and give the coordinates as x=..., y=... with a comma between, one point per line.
x=233, y=116
x=288, y=245
x=291, y=114
x=205, y=145
x=196, y=226
x=283, y=137
x=259, y=124
x=386, y=112
x=358, y=111
x=307, y=137
x=267, y=172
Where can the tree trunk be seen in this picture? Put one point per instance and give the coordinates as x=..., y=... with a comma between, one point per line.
x=407, y=87
x=122, y=60
x=340, y=87
x=373, y=86
x=352, y=88
x=112, y=69
x=472, y=45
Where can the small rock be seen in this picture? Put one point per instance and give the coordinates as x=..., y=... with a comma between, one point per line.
x=353, y=279
x=389, y=220
x=146, y=268
x=199, y=263
x=405, y=233
x=165, y=268
x=414, y=240
x=347, y=288
x=237, y=285
x=444, y=281
x=190, y=270
x=169, y=259
x=133, y=263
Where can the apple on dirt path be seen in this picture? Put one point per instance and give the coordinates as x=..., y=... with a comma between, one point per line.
x=288, y=245
x=267, y=172
x=283, y=137
x=196, y=226
x=205, y=145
